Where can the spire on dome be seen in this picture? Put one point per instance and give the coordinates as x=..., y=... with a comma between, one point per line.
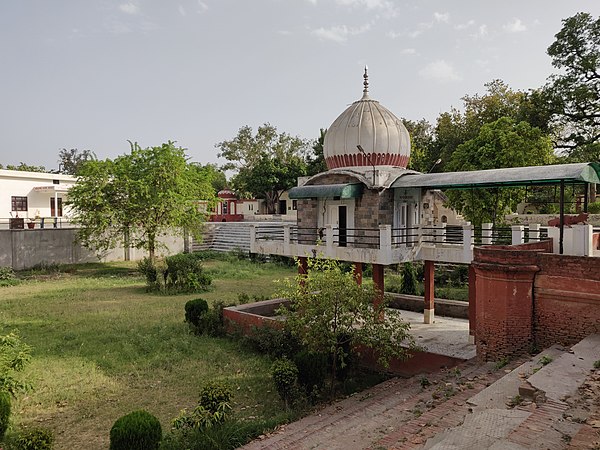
x=366, y=84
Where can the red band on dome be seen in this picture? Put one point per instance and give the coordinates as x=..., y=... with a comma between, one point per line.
x=358, y=160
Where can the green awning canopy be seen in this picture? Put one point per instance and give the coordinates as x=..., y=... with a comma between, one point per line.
x=578, y=173
x=348, y=190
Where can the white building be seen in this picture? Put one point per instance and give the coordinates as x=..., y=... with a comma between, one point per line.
x=38, y=198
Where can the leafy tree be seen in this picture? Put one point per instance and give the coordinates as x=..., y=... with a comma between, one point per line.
x=316, y=163
x=71, y=161
x=137, y=197
x=331, y=314
x=421, y=139
x=217, y=177
x=454, y=128
x=270, y=177
x=503, y=143
x=574, y=92
x=267, y=163
x=24, y=167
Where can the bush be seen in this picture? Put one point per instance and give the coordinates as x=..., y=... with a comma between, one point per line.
x=312, y=371
x=138, y=430
x=195, y=310
x=410, y=283
x=213, y=408
x=285, y=376
x=215, y=396
x=594, y=208
x=147, y=268
x=275, y=342
x=33, y=439
x=5, y=404
x=8, y=277
x=178, y=273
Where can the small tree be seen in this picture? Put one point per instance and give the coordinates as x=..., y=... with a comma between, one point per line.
x=331, y=314
x=14, y=355
x=138, y=197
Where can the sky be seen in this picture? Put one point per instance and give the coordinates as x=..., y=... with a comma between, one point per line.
x=93, y=74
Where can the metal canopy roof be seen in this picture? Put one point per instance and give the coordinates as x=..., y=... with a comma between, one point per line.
x=347, y=190
x=514, y=176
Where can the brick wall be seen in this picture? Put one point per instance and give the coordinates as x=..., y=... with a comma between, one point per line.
x=527, y=297
x=307, y=221
x=567, y=299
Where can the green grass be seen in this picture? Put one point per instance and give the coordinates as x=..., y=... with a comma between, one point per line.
x=103, y=347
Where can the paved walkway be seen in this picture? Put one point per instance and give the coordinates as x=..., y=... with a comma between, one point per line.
x=465, y=408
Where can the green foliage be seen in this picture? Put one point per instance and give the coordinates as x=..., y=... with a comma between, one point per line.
x=331, y=314
x=597, y=364
x=410, y=283
x=138, y=197
x=195, y=310
x=180, y=273
x=5, y=406
x=545, y=360
x=24, y=167
x=316, y=162
x=214, y=407
x=138, y=430
x=285, y=377
x=185, y=273
x=503, y=143
x=594, y=208
x=71, y=161
x=8, y=277
x=147, y=267
x=273, y=341
x=312, y=371
x=14, y=355
x=574, y=92
x=32, y=439
x=267, y=163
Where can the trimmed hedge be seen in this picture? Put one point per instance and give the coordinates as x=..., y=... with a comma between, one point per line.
x=138, y=430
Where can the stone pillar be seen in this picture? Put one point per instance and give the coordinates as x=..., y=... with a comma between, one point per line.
x=379, y=284
x=518, y=234
x=358, y=272
x=472, y=304
x=504, y=302
x=429, y=284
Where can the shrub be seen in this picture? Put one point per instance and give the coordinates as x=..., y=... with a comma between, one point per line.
x=8, y=277
x=594, y=208
x=138, y=430
x=185, y=273
x=147, y=268
x=33, y=439
x=14, y=355
x=312, y=370
x=410, y=284
x=195, y=310
x=275, y=342
x=285, y=376
x=215, y=396
x=4, y=412
x=213, y=408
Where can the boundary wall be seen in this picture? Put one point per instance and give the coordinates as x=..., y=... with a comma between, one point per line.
x=528, y=298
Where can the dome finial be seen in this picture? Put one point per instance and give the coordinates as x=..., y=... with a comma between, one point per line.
x=366, y=82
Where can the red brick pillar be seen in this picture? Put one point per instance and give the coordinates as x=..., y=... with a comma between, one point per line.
x=358, y=273
x=379, y=285
x=472, y=308
x=504, y=302
x=429, y=284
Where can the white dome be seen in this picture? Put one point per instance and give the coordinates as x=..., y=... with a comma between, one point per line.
x=380, y=134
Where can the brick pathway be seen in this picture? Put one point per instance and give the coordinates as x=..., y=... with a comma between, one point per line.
x=396, y=414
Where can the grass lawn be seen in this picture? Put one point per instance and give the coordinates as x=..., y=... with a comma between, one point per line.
x=103, y=347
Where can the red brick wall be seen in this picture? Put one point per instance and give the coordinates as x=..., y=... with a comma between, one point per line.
x=527, y=297
x=567, y=299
